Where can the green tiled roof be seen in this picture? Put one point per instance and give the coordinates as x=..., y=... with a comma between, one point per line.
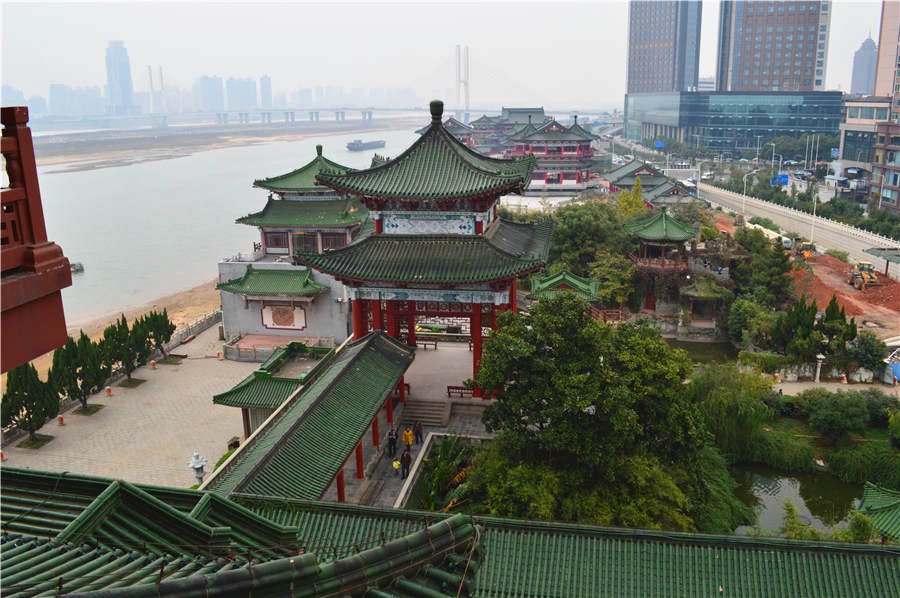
x=308, y=214
x=627, y=170
x=265, y=281
x=120, y=515
x=649, y=195
x=378, y=159
x=883, y=507
x=301, y=451
x=435, y=166
x=553, y=131
x=534, y=559
x=451, y=124
x=259, y=390
x=550, y=285
x=304, y=178
x=578, y=129
x=126, y=540
x=507, y=249
x=659, y=226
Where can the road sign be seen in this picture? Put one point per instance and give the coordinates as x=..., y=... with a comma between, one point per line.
x=659, y=144
x=781, y=179
x=835, y=153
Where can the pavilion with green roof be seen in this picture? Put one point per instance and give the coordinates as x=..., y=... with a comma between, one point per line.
x=624, y=176
x=435, y=246
x=882, y=506
x=549, y=285
x=281, y=299
x=564, y=154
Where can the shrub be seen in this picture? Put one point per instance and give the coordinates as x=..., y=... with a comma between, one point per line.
x=879, y=404
x=766, y=362
x=871, y=461
x=708, y=233
x=803, y=403
x=838, y=415
x=841, y=255
x=782, y=451
x=894, y=429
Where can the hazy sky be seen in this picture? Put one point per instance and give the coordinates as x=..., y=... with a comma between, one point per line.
x=552, y=54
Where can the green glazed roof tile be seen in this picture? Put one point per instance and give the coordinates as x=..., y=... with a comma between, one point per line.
x=507, y=249
x=304, y=178
x=299, y=454
x=659, y=226
x=259, y=390
x=436, y=166
x=883, y=507
x=549, y=285
x=309, y=213
x=265, y=281
x=629, y=169
x=451, y=124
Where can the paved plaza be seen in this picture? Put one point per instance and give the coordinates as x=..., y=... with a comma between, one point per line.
x=147, y=434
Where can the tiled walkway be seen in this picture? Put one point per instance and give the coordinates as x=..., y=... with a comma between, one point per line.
x=147, y=434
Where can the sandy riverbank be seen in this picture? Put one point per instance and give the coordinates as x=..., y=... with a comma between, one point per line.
x=107, y=150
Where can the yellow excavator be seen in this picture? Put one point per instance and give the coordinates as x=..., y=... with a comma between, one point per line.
x=862, y=275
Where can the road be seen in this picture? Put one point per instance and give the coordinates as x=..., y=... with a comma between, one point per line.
x=826, y=235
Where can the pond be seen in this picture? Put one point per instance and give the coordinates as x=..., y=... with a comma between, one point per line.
x=706, y=352
x=821, y=499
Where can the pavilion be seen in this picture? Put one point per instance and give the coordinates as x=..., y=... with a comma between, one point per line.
x=434, y=245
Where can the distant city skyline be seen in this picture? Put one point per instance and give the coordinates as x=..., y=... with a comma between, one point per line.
x=864, y=62
x=412, y=47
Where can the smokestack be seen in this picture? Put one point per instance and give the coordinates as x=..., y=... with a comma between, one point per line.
x=152, y=93
x=466, y=64
x=458, y=76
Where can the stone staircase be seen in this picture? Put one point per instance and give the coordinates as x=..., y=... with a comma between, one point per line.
x=434, y=413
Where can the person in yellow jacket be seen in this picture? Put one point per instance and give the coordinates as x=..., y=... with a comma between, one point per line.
x=408, y=437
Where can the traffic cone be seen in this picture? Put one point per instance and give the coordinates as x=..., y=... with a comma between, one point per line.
x=843, y=378
x=61, y=422
x=153, y=364
x=108, y=391
x=219, y=355
x=777, y=378
x=2, y=456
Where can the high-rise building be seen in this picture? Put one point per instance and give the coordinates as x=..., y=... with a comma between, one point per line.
x=10, y=96
x=663, y=45
x=864, y=61
x=241, y=93
x=888, y=39
x=265, y=91
x=209, y=95
x=118, y=79
x=773, y=46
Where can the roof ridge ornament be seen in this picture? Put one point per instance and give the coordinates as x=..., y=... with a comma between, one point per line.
x=437, y=111
x=319, y=149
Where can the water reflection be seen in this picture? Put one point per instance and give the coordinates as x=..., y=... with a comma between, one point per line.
x=821, y=499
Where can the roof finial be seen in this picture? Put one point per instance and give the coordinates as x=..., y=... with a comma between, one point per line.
x=529, y=119
x=576, y=119
x=319, y=149
x=437, y=111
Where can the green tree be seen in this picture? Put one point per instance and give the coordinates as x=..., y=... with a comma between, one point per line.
x=771, y=282
x=868, y=351
x=28, y=402
x=838, y=333
x=751, y=323
x=115, y=336
x=160, y=329
x=894, y=429
x=616, y=274
x=581, y=231
x=92, y=374
x=631, y=202
x=140, y=338
x=733, y=405
x=64, y=371
x=839, y=414
x=571, y=386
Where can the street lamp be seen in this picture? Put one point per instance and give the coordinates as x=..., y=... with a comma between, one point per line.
x=196, y=464
x=773, y=154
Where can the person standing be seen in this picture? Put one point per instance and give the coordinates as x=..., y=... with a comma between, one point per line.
x=418, y=432
x=408, y=438
x=392, y=442
x=405, y=462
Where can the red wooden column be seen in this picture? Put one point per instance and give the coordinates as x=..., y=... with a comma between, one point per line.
x=479, y=227
x=360, y=474
x=475, y=330
x=375, y=431
x=411, y=324
x=359, y=318
x=377, y=321
x=393, y=324
x=514, y=296
x=379, y=226
x=340, y=485
x=389, y=404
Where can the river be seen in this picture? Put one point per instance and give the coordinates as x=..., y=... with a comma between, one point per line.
x=821, y=499
x=151, y=229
